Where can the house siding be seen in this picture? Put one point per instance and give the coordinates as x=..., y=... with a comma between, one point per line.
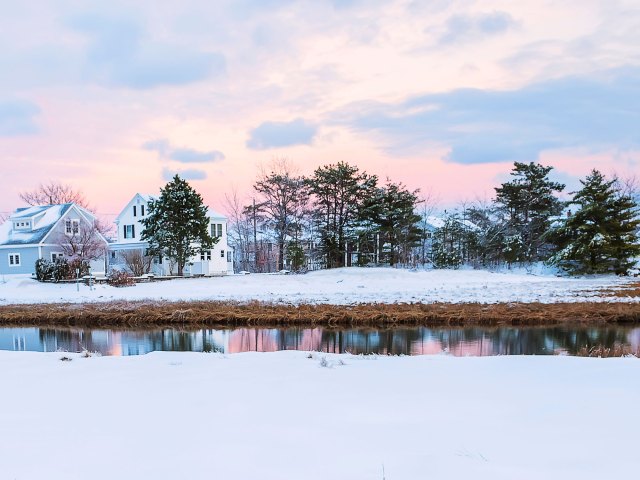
x=218, y=265
x=28, y=258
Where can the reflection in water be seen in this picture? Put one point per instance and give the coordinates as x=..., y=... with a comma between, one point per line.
x=410, y=341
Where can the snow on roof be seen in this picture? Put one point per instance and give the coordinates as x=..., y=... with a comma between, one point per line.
x=435, y=222
x=211, y=213
x=28, y=212
x=438, y=222
x=50, y=214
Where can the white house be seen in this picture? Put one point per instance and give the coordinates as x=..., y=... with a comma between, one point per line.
x=39, y=232
x=217, y=261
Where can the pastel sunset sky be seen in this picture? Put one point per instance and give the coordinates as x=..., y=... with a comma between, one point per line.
x=442, y=95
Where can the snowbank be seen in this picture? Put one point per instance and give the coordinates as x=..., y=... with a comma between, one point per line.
x=338, y=286
x=285, y=416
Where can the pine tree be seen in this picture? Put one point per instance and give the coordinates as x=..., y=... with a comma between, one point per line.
x=339, y=193
x=448, y=243
x=487, y=242
x=601, y=236
x=282, y=202
x=177, y=225
x=393, y=210
x=529, y=202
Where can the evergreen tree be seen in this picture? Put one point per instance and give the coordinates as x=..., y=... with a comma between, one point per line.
x=529, y=203
x=296, y=256
x=339, y=193
x=486, y=247
x=602, y=235
x=448, y=243
x=283, y=198
x=393, y=210
x=177, y=226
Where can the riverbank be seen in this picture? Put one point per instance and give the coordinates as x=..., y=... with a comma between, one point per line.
x=317, y=416
x=160, y=314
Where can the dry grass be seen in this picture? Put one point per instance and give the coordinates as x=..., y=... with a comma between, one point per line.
x=618, y=350
x=155, y=314
x=631, y=290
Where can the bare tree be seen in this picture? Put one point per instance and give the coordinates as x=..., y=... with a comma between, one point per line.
x=82, y=242
x=55, y=193
x=240, y=230
x=137, y=262
x=427, y=204
x=628, y=186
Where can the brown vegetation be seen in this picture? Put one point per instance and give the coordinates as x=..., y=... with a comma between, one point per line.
x=631, y=290
x=618, y=350
x=155, y=314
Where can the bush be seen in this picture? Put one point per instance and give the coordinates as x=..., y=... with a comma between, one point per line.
x=120, y=278
x=61, y=269
x=80, y=264
x=44, y=270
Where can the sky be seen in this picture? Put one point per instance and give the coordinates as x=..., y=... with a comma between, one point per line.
x=443, y=95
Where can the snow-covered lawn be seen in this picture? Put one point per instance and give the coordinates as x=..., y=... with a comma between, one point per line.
x=339, y=286
x=284, y=416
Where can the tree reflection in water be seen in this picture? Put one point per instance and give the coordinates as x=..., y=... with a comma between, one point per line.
x=401, y=341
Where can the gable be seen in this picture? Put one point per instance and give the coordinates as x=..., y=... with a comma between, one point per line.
x=137, y=198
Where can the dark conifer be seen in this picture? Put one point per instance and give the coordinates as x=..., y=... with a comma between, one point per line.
x=177, y=226
x=601, y=236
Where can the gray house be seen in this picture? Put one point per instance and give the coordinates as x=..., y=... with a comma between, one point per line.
x=41, y=232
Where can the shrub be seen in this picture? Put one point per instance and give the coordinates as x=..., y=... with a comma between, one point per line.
x=58, y=270
x=61, y=270
x=120, y=278
x=81, y=265
x=44, y=270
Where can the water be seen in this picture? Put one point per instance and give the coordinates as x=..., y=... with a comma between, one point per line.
x=409, y=341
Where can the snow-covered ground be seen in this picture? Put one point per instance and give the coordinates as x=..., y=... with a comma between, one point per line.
x=285, y=416
x=338, y=286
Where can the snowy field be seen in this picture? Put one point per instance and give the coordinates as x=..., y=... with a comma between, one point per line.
x=285, y=416
x=338, y=286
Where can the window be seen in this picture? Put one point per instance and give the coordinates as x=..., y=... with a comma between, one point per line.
x=129, y=231
x=222, y=253
x=216, y=232
x=14, y=259
x=229, y=257
x=56, y=256
x=219, y=229
x=205, y=256
x=71, y=226
x=134, y=210
x=142, y=210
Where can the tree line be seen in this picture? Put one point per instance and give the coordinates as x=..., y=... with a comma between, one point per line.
x=336, y=217
x=342, y=216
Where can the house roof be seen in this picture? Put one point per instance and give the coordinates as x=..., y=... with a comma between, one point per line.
x=28, y=212
x=439, y=222
x=48, y=215
x=143, y=196
x=211, y=213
